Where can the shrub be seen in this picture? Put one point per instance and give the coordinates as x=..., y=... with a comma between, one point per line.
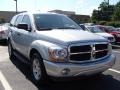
x=102, y=23
x=115, y=24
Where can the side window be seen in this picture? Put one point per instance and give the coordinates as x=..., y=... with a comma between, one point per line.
x=104, y=29
x=26, y=20
x=18, y=20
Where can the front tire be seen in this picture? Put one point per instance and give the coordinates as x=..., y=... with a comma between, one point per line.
x=10, y=50
x=38, y=70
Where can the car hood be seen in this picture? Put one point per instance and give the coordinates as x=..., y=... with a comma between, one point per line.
x=104, y=34
x=70, y=36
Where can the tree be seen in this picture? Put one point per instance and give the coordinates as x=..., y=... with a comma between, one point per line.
x=96, y=15
x=103, y=5
x=104, y=12
x=116, y=15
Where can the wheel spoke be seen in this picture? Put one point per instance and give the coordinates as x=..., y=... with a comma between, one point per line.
x=36, y=69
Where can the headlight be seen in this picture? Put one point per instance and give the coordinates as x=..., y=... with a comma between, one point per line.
x=111, y=39
x=57, y=54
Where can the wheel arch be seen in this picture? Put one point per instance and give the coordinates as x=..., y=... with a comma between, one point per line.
x=32, y=51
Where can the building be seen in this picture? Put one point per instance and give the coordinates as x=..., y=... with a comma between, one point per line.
x=80, y=18
x=5, y=16
x=68, y=13
x=77, y=18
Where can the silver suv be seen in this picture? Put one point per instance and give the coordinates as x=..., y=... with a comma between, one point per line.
x=56, y=46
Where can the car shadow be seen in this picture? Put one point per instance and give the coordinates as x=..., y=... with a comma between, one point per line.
x=114, y=47
x=104, y=82
x=3, y=43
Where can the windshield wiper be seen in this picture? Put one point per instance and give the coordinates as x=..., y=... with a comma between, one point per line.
x=45, y=28
x=57, y=28
x=66, y=28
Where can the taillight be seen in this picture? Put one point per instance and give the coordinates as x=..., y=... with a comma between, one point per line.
x=2, y=32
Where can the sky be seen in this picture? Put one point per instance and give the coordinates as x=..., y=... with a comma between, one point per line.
x=84, y=7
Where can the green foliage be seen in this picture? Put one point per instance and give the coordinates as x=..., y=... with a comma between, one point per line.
x=115, y=24
x=104, y=12
x=103, y=5
x=102, y=23
x=95, y=15
x=116, y=15
x=107, y=14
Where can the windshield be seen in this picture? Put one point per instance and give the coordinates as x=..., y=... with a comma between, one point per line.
x=110, y=28
x=53, y=21
x=95, y=29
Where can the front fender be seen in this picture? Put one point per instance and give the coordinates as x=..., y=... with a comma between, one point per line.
x=42, y=48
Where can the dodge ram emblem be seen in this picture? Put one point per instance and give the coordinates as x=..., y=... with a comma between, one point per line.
x=93, y=53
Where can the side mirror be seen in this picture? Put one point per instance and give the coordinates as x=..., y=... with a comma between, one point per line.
x=83, y=27
x=23, y=26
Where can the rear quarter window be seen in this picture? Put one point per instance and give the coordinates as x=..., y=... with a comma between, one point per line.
x=12, y=22
x=18, y=20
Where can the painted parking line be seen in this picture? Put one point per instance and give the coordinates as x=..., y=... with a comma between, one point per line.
x=118, y=46
x=4, y=82
x=113, y=70
x=116, y=51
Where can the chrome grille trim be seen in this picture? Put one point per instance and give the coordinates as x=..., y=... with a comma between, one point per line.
x=89, y=52
x=102, y=50
x=79, y=53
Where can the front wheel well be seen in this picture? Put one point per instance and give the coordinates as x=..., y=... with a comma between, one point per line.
x=32, y=52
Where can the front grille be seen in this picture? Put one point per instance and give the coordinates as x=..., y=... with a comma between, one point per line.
x=80, y=57
x=76, y=49
x=101, y=46
x=91, y=52
x=101, y=54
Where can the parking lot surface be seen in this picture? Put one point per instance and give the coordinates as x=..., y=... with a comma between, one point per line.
x=15, y=75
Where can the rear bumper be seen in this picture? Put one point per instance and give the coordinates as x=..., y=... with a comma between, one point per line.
x=73, y=70
x=3, y=37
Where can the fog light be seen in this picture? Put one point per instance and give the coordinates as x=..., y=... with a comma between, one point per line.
x=65, y=71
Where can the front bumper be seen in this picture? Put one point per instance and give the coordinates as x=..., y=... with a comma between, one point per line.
x=56, y=69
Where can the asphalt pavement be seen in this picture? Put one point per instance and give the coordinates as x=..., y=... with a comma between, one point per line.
x=15, y=75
